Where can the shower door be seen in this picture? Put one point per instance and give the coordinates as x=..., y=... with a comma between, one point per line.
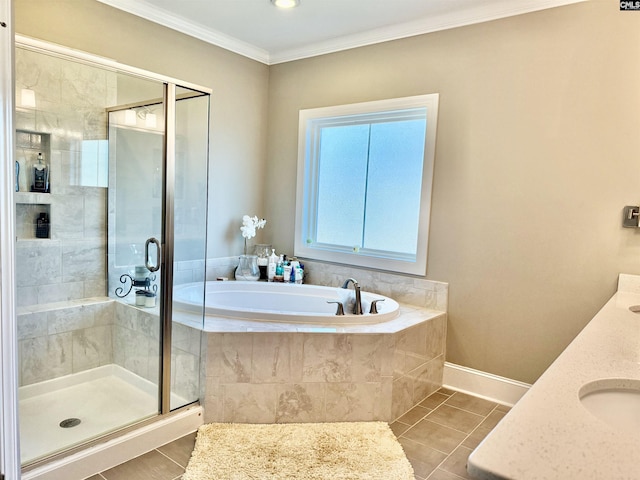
x=158, y=165
x=126, y=156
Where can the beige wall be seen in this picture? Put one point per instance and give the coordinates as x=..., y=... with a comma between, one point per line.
x=239, y=100
x=537, y=153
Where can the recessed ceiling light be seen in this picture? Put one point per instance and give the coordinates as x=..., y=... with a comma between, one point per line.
x=286, y=3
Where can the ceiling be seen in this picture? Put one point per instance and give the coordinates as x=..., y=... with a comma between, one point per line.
x=258, y=30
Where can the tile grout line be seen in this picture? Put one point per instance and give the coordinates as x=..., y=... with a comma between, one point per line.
x=460, y=445
x=467, y=435
x=168, y=457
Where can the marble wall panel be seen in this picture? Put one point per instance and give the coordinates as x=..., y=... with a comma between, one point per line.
x=427, y=378
x=95, y=286
x=252, y=403
x=132, y=351
x=31, y=325
x=44, y=358
x=368, y=356
x=301, y=403
x=404, y=289
x=402, y=396
x=38, y=263
x=70, y=319
x=235, y=357
x=437, y=338
x=277, y=358
x=95, y=209
x=66, y=339
x=327, y=358
x=342, y=377
x=83, y=259
x=185, y=378
x=67, y=217
x=353, y=402
x=136, y=341
x=92, y=347
x=186, y=339
x=60, y=292
x=71, y=100
x=211, y=398
x=26, y=296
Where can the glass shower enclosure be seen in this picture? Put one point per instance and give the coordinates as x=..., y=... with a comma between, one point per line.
x=111, y=208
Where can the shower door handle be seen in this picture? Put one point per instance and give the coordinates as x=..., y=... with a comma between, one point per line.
x=156, y=267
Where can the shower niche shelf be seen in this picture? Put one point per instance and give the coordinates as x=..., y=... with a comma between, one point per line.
x=28, y=145
x=30, y=205
x=27, y=227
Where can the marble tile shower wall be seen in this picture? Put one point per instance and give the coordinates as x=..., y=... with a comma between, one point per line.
x=71, y=100
x=62, y=339
x=320, y=377
x=71, y=337
x=136, y=340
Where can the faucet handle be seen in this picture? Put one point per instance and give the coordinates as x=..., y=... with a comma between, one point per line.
x=374, y=307
x=340, y=310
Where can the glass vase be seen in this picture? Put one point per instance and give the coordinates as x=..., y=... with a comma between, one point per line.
x=262, y=251
x=248, y=268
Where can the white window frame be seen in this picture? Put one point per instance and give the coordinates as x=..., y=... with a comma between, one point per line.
x=306, y=193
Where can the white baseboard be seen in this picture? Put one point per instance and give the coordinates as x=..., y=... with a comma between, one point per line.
x=482, y=384
x=118, y=450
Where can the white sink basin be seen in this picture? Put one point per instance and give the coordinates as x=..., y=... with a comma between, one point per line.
x=615, y=401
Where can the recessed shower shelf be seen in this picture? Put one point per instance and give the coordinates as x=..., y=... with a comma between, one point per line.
x=27, y=225
x=32, y=198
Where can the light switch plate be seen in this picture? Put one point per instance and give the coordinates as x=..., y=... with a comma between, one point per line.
x=630, y=216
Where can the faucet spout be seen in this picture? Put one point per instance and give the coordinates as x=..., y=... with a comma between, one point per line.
x=357, y=308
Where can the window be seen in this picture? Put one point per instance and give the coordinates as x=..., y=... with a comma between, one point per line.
x=364, y=183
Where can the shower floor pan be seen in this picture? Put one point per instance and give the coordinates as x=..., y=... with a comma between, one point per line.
x=87, y=404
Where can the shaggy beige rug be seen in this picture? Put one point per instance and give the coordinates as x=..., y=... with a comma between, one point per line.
x=322, y=451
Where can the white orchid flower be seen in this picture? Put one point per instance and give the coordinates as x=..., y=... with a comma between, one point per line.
x=250, y=224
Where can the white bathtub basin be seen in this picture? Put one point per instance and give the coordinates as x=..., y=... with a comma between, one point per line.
x=281, y=302
x=615, y=401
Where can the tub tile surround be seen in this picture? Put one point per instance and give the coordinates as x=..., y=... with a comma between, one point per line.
x=267, y=377
x=265, y=372
x=549, y=433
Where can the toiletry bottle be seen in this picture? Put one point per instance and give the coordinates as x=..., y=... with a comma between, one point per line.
x=279, y=270
x=273, y=263
x=287, y=273
x=42, y=226
x=295, y=265
x=300, y=273
x=40, y=175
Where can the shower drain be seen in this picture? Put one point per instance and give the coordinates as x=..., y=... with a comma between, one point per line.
x=70, y=422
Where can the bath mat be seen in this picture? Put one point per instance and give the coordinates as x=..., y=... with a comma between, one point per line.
x=309, y=451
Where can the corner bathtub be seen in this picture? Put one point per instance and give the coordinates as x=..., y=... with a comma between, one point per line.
x=281, y=302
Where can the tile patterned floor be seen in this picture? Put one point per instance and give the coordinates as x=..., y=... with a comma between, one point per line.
x=437, y=436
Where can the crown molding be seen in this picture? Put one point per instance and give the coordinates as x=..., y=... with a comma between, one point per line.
x=214, y=37
x=479, y=14
x=484, y=13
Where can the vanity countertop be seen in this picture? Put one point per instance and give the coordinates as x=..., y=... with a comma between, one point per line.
x=549, y=434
